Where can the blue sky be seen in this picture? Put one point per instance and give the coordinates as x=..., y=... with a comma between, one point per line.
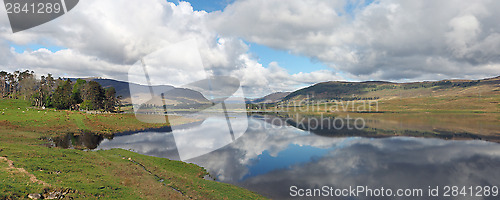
x=208, y=5
x=351, y=6
x=33, y=47
x=293, y=63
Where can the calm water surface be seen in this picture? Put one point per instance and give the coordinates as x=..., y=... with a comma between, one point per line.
x=270, y=159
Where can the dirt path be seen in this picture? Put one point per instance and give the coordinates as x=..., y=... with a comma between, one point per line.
x=23, y=171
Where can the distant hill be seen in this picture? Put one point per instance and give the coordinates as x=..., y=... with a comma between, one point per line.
x=270, y=98
x=175, y=95
x=371, y=90
x=332, y=90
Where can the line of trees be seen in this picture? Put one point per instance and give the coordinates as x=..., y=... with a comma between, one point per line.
x=439, y=84
x=57, y=93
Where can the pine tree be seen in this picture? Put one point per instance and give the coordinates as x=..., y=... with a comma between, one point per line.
x=94, y=96
x=61, y=99
x=110, y=99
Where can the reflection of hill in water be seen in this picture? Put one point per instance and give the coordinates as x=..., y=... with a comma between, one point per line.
x=347, y=127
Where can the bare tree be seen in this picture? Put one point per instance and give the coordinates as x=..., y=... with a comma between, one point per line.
x=3, y=83
x=27, y=84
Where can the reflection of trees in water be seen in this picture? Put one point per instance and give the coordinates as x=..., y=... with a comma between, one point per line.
x=342, y=127
x=83, y=140
x=90, y=140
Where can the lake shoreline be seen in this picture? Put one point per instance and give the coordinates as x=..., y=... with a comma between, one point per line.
x=116, y=173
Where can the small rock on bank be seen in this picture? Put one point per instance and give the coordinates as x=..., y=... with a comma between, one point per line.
x=34, y=196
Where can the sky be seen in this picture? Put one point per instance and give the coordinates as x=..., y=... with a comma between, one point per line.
x=269, y=45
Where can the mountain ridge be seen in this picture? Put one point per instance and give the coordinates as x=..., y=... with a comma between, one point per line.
x=371, y=90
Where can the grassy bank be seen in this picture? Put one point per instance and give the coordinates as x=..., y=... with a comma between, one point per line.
x=28, y=166
x=18, y=115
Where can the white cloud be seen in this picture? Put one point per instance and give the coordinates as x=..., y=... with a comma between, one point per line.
x=264, y=21
x=105, y=38
x=264, y=80
x=464, y=31
x=389, y=40
x=65, y=63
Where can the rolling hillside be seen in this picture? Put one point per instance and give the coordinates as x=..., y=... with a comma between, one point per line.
x=173, y=95
x=271, y=98
x=371, y=90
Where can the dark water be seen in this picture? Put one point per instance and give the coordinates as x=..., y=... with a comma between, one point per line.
x=82, y=140
x=276, y=161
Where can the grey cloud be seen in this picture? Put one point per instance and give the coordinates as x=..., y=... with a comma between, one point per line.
x=104, y=38
x=389, y=40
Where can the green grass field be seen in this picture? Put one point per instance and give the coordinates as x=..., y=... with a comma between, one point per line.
x=109, y=174
x=18, y=115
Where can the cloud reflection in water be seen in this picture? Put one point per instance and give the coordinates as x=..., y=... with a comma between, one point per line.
x=270, y=160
